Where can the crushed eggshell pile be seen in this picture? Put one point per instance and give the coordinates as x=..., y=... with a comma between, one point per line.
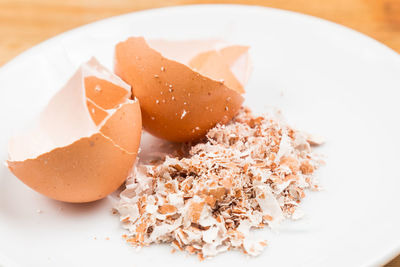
x=85, y=142
x=184, y=88
x=251, y=173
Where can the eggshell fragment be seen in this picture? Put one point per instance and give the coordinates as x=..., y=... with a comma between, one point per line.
x=181, y=101
x=86, y=141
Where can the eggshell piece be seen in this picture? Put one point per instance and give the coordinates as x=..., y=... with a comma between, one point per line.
x=106, y=143
x=177, y=103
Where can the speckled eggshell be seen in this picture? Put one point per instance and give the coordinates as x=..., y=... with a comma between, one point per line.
x=177, y=102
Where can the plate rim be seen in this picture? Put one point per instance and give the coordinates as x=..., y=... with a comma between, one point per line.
x=380, y=258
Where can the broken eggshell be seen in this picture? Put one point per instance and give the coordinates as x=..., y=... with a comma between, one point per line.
x=85, y=142
x=184, y=88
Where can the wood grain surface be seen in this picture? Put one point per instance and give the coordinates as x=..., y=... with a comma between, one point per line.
x=24, y=23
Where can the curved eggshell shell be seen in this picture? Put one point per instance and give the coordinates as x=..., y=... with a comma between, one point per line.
x=93, y=166
x=177, y=103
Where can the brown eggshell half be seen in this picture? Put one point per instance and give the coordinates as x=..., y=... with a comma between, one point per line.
x=180, y=101
x=96, y=159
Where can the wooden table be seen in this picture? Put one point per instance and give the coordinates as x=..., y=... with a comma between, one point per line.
x=24, y=23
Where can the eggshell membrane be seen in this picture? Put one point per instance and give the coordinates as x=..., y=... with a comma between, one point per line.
x=95, y=165
x=177, y=103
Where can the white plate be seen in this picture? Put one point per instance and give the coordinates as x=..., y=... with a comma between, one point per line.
x=327, y=80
